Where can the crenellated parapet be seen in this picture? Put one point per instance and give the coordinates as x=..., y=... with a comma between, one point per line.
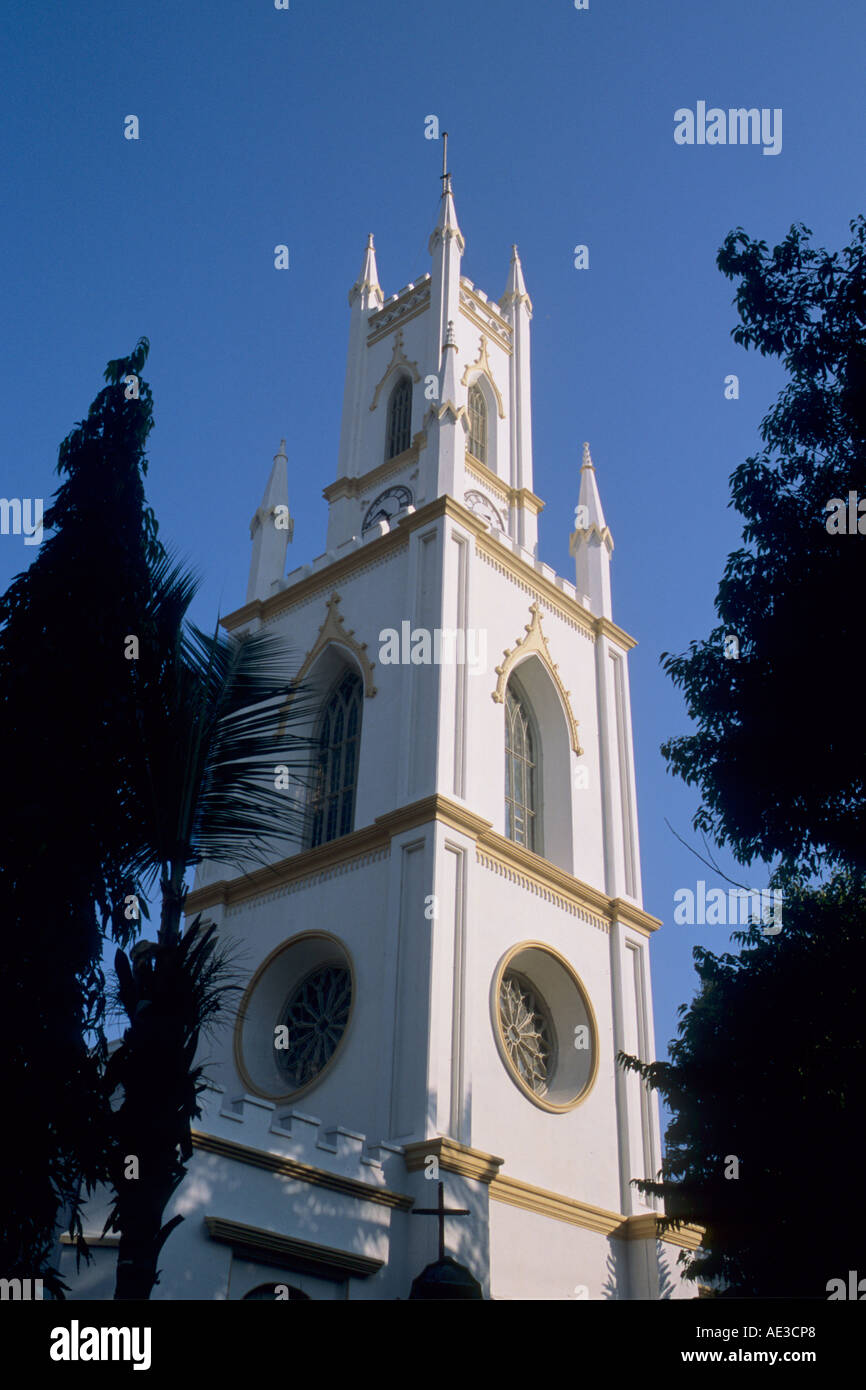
x=284, y=1132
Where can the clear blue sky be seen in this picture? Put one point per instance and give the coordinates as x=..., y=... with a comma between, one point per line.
x=306, y=127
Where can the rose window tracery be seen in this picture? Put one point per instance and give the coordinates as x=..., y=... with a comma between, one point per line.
x=527, y=1032
x=316, y=1017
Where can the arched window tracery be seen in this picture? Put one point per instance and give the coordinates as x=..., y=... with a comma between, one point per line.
x=521, y=771
x=336, y=767
x=398, y=435
x=477, y=409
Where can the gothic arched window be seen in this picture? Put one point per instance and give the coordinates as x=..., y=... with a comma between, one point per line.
x=477, y=424
x=521, y=771
x=399, y=418
x=336, y=768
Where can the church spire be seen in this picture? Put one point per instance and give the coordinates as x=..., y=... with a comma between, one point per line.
x=446, y=247
x=591, y=543
x=367, y=286
x=271, y=529
x=365, y=298
x=589, y=496
x=515, y=288
x=447, y=226
x=516, y=307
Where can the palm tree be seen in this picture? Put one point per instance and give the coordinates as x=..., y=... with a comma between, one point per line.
x=211, y=728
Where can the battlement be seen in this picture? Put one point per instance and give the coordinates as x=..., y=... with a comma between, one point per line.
x=286, y=1132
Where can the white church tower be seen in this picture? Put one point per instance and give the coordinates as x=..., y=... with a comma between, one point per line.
x=440, y=979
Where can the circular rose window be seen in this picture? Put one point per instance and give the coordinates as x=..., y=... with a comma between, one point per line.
x=544, y=1026
x=315, y=1021
x=294, y=1016
x=527, y=1031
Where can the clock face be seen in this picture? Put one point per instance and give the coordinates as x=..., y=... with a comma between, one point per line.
x=386, y=505
x=483, y=508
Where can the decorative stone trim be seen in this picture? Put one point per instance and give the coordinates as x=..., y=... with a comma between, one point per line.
x=500, y=562
x=609, y=1223
x=482, y=366
x=515, y=1193
x=398, y=359
x=489, y=306
x=311, y=589
x=529, y=868
x=524, y=880
x=494, y=552
x=484, y=1167
x=488, y=479
x=287, y=1252
x=309, y=880
x=415, y=300
x=334, y=630
x=369, y=482
x=536, y=642
x=292, y=1168
x=646, y=1227
x=483, y=315
x=452, y=1157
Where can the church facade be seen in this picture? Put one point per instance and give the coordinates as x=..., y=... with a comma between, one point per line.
x=439, y=980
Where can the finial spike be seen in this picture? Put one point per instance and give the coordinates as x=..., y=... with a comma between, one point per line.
x=445, y=176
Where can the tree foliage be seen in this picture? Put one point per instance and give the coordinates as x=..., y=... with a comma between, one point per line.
x=64, y=714
x=769, y=1069
x=766, y=1079
x=775, y=753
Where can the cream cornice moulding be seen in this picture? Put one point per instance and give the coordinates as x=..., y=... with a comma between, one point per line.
x=328, y=578
x=517, y=496
x=227, y=892
x=486, y=315
x=551, y=876
x=454, y=1157
x=367, y=482
x=283, y=1166
x=576, y=1213
x=486, y=305
x=413, y=300
x=288, y=1252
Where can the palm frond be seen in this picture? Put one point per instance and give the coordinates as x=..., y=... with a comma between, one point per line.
x=211, y=730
